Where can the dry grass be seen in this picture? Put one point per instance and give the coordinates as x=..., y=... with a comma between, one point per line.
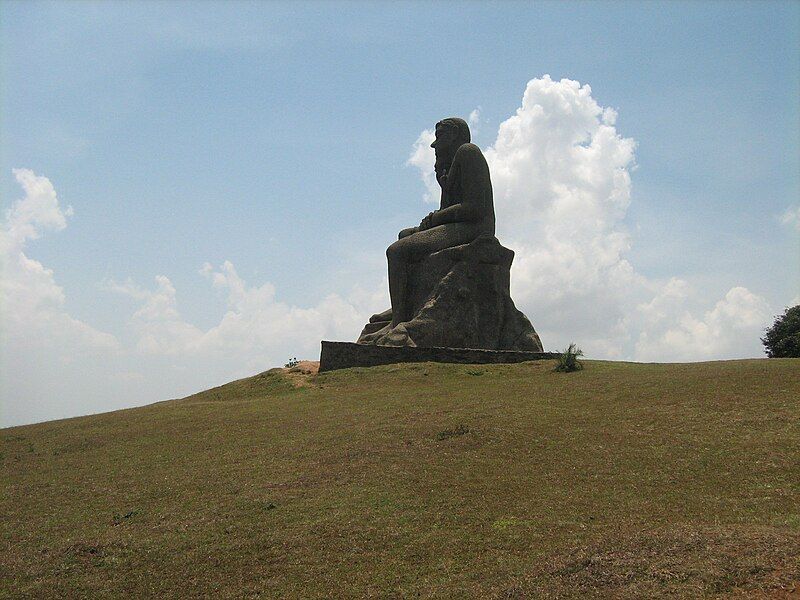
x=619, y=481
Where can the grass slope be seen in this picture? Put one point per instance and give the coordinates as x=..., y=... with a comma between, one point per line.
x=622, y=480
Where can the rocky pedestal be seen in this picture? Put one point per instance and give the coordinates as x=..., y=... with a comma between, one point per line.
x=460, y=298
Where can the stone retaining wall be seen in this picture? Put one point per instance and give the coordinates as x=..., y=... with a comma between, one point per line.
x=342, y=355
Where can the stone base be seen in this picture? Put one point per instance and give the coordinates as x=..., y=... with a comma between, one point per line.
x=342, y=355
x=459, y=298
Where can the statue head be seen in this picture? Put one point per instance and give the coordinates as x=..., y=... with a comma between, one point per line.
x=451, y=134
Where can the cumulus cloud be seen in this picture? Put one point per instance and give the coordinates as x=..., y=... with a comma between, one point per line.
x=36, y=212
x=32, y=301
x=730, y=329
x=157, y=323
x=561, y=174
x=54, y=365
x=423, y=158
x=42, y=346
x=257, y=329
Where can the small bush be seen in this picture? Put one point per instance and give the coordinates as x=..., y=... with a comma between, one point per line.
x=292, y=362
x=448, y=433
x=782, y=340
x=118, y=518
x=568, y=360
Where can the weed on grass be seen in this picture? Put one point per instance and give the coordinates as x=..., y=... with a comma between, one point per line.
x=118, y=518
x=448, y=433
x=568, y=360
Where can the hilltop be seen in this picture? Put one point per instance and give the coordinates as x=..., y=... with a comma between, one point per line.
x=424, y=480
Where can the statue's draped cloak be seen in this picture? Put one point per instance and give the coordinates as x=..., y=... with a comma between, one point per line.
x=468, y=183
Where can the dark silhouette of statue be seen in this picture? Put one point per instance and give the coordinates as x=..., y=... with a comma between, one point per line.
x=466, y=210
x=449, y=276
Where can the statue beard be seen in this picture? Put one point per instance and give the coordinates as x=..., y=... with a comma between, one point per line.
x=443, y=163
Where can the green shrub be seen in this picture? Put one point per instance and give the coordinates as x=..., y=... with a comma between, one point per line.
x=448, y=433
x=119, y=518
x=782, y=340
x=568, y=360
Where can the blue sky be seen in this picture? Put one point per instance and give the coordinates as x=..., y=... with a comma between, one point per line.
x=277, y=137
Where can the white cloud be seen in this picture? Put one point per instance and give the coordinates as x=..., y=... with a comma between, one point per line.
x=54, y=365
x=562, y=187
x=157, y=324
x=256, y=331
x=32, y=301
x=423, y=157
x=792, y=217
x=474, y=120
x=729, y=330
x=42, y=345
x=38, y=211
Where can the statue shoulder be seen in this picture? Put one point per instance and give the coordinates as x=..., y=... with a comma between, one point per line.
x=469, y=157
x=468, y=151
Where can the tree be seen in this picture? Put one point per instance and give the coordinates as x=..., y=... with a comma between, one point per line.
x=782, y=340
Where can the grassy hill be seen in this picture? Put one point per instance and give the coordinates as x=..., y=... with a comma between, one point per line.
x=429, y=480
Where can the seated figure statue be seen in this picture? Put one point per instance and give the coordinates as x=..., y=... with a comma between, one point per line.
x=466, y=209
x=449, y=276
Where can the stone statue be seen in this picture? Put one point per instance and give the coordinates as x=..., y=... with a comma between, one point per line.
x=466, y=210
x=449, y=276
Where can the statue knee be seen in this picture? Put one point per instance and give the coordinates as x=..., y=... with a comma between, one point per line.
x=395, y=251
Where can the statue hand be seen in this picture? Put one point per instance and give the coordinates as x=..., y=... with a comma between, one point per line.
x=407, y=232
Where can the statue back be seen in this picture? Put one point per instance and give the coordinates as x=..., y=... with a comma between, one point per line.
x=469, y=183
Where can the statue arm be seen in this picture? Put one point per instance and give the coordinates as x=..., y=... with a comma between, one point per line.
x=455, y=213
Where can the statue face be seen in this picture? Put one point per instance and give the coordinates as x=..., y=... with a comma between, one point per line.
x=445, y=144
